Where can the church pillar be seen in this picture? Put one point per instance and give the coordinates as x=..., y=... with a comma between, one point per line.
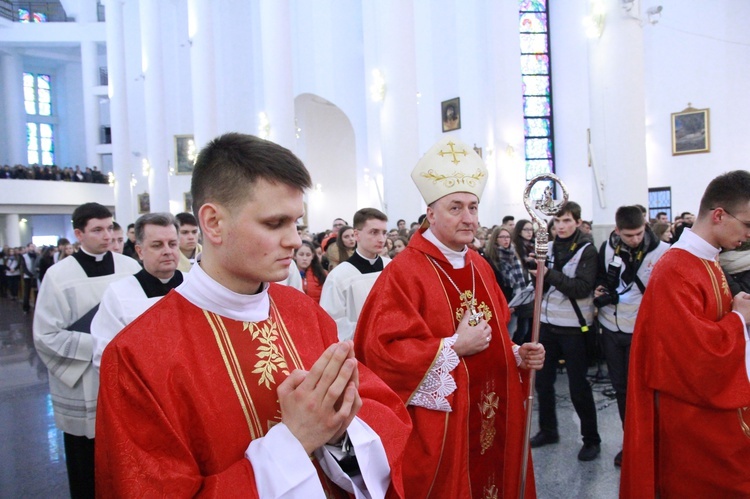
x=617, y=115
x=393, y=122
x=15, y=114
x=12, y=230
x=157, y=140
x=89, y=70
x=119, y=112
x=203, y=71
x=278, y=92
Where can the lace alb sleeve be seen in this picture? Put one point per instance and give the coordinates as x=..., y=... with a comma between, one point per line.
x=439, y=382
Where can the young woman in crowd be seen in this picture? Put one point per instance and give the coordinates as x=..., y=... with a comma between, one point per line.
x=12, y=272
x=343, y=248
x=523, y=241
x=399, y=245
x=311, y=270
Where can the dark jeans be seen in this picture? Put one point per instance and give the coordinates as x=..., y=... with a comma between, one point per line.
x=566, y=343
x=13, y=282
x=616, y=347
x=28, y=284
x=79, y=458
x=523, y=331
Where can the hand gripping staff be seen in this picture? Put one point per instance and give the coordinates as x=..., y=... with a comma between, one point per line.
x=547, y=206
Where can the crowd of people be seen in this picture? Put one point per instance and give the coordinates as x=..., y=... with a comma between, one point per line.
x=91, y=174
x=413, y=325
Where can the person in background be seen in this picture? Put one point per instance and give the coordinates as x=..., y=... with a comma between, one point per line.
x=343, y=248
x=118, y=239
x=663, y=232
x=311, y=270
x=189, y=246
x=399, y=245
x=128, y=248
x=13, y=272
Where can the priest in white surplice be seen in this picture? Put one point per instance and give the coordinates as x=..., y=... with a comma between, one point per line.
x=157, y=246
x=347, y=286
x=70, y=293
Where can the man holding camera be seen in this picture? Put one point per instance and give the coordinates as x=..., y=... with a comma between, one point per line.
x=567, y=313
x=625, y=264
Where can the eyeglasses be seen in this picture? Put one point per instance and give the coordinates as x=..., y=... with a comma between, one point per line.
x=746, y=224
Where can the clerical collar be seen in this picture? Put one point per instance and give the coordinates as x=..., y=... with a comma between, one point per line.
x=455, y=258
x=696, y=245
x=93, y=267
x=98, y=257
x=365, y=265
x=204, y=292
x=154, y=287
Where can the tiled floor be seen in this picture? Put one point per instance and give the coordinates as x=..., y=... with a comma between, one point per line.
x=32, y=461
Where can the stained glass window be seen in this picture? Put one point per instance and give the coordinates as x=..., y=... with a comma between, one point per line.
x=537, y=89
x=26, y=16
x=660, y=199
x=40, y=140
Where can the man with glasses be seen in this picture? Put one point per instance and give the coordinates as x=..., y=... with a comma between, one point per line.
x=687, y=430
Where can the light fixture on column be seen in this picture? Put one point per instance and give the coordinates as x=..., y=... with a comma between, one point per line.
x=111, y=179
x=297, y=129
x=378, y=87
x=654, y=14
x=264, y=125
x=192, y=154
x=23, y=221
x=146, y=167
x=594, y=22
x=133, y=180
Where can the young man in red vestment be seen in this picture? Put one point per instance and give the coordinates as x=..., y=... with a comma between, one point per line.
x=230, y=386
x=687, y=428
x=434, y=328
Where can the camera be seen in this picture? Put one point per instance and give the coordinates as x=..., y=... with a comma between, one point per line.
x=610, y=296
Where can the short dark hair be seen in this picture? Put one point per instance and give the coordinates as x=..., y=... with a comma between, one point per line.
x=661, y=213
x=365, y=214
x=186, y=218
x=131, y=226
x=508, y=218
x=116, y=226
x=400, y=220
x=86, y=212
x=629, y=217
x=63, y=242
x=231, y=163
x=729, y=191
x=160, y=219
x=642, y=208
x=571, y=207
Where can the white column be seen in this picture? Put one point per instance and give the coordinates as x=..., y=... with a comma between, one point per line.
x=89, y=71
x=278, y=91
x=15, y=114
x=156, y=134
x=12, y=230
x=396, y=117
x=119, y=112
x=202, y=56
x=618, y=115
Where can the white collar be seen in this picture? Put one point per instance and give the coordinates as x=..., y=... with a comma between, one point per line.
x=455, y=258
x=371, y=260
x=204, y=292
x=98, y=257
x=696, y=245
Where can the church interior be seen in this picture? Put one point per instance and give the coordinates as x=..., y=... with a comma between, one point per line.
x=626, y=101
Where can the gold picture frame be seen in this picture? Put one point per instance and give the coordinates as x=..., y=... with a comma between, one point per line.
x=185, y=153
x=691, y=131
x=450, y=112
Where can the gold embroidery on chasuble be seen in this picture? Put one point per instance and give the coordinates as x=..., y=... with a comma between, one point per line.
x=742, y=413
x=491, y=492
x=256, y=363
x=488, y=408
x=469, y=302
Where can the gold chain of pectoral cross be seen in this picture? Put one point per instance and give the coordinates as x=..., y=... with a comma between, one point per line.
x=468, y=298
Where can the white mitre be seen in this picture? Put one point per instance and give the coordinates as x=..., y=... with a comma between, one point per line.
x=447, y=167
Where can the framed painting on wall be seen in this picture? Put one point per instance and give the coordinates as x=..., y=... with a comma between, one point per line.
x=144, y=203
x=690, y=131
x=188, y=196
x=184, y=154
x=451, y=114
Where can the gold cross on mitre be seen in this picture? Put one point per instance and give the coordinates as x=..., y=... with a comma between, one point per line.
x=453, y=152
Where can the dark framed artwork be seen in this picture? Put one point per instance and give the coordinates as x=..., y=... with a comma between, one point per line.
x=144, y=203
x=184, y=154
x=690, y=131
x=188, y=197
x=450, y=111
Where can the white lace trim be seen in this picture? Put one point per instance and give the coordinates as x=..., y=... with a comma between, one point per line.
x=438, y=383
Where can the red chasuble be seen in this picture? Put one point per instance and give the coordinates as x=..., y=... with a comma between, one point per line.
x=686, y=428
x=184, y=391
x=474, y=450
